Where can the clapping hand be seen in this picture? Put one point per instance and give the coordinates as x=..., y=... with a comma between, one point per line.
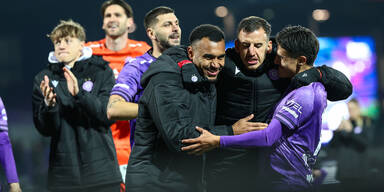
x=47, y=91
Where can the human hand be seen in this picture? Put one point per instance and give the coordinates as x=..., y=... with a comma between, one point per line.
x=73, y=87
x=14, y=187
x=47, y=91
x=205, y=142
x=244, y=125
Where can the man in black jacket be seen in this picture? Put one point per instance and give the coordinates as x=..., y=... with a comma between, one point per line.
x=69, y=105
x=178, y=96
x=249, y=86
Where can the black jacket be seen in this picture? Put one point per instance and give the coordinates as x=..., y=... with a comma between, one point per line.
x=82, y=152
x=242, y=92
x=175, y=100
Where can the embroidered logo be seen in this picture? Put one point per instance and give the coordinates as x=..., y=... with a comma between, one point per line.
x=194, y=78
x=88, y=85
x=237, y=70
x=54, y=83
x=273, y=74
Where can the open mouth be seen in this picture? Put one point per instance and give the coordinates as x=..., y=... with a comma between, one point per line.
x=212, y=73
x=253, y=61
x=174, y=36
x=113, y=26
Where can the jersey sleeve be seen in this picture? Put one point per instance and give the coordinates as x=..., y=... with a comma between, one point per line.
x=297, y=108
x=128, y=81
x=3, y=117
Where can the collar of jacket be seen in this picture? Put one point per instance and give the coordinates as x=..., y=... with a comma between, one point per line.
x=235, y=58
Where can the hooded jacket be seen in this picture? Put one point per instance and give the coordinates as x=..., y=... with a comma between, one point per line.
x=82, y=153
x=175, y=100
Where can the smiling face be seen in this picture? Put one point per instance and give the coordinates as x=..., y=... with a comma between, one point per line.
x=166, y=32
x=68, y=49
x=208, y=56
x=116, y=22
x=253, y=47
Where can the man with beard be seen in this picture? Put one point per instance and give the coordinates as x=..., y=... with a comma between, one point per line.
x=178, y=96
x=115, y=48
x=163, y=29
x=249, y=86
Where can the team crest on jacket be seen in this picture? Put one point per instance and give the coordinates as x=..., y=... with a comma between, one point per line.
x=194, y=78
x=88, y=85
x=273, y=74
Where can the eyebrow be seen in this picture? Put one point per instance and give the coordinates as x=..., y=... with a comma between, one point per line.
x=213, y=56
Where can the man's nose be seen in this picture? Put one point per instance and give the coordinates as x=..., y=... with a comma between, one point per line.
x=252, y=50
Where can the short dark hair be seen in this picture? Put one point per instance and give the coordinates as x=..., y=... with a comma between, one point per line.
x=253, y=23
x=299, y=41
x=213, y=32
x=127, y=8
x=150, y=18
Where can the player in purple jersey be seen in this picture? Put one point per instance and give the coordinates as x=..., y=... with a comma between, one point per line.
x=163, y=29
x=6, y=156
x=294, y=132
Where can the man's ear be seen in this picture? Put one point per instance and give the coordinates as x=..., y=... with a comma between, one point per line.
x=130, y=22
x=151, y=33
x=190, y=52
x=237, y=45
x=269, y=46
x=302, y=60
x=82, y=44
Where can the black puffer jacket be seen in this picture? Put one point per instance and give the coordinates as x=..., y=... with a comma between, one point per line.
x=175, y=100
x=82, y=152
x=241, y=92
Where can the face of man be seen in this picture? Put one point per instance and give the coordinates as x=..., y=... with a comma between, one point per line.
x=208, y=56
x=287, y=65
x=68, y=49
x=166, y=32
x=116, y=22
x=253, y=47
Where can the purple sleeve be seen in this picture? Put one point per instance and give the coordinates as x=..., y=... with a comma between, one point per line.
x=297, y=108
x=6, y=158
x=265, y=137
x=3, y=117
x=128, y=81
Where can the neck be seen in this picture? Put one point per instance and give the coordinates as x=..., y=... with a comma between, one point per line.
x=116, y=44
x=156, y=51
x=72, y=63
x=304, y=68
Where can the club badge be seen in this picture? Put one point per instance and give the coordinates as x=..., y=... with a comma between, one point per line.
x=88, y=85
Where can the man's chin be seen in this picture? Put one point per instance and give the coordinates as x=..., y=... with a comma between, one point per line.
x=212, y=79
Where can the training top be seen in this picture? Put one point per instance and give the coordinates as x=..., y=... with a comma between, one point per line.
x=128, y=83
x=7, y=160
x=294, y=153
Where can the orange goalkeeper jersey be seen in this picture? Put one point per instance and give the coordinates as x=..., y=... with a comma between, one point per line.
x=120, y=129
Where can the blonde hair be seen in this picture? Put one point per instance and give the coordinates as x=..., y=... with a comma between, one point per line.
x=67, y=28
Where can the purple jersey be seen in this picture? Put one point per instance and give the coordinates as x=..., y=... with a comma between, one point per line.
x=3, y=117
x=128, y=82
x=6, y=156
x=294, y=134
x=295, y=152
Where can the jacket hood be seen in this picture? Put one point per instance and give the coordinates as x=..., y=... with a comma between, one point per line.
x=82, y=63
x=86, y=54
x=168, y=62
